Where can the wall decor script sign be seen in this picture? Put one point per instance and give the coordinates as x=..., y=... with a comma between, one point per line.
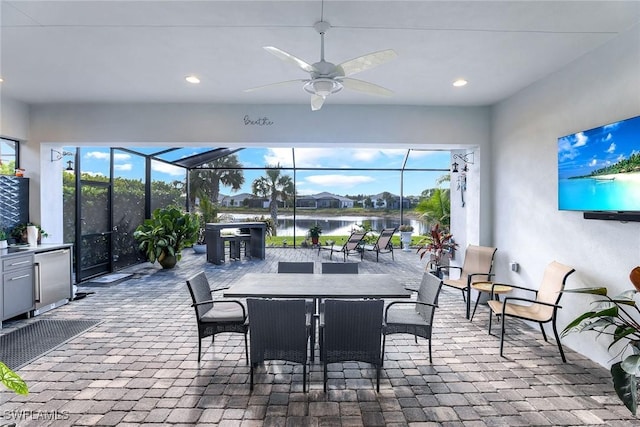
x=261, y=121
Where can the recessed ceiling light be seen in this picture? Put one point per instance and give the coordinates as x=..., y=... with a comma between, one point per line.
x=192, y=79
x=460, y=83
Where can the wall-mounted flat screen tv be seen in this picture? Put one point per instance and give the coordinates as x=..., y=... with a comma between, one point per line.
x=599, y=169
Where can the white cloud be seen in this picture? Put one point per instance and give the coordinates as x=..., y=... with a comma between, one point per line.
x=607, y=138
x=338, y=181
x=123, y=167
x=167, y=168
x=612, y=148
x=566, y=151
x=593, y=162
x=331, y=157
x=581, y=139
x=94, y=173
x=100, y=155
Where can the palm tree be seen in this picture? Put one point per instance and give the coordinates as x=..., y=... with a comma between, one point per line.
x=437, y=207
x=274, y=186
x=207, y=179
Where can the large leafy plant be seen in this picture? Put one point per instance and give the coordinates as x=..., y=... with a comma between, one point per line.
x=12, y=381
x=437, y=244
x=167, y=233
x=618, y=318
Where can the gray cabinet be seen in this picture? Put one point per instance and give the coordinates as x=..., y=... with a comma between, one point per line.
x=17, y=286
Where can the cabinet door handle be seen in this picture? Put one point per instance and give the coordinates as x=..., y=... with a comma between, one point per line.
x=20, y=277
x=20, y=263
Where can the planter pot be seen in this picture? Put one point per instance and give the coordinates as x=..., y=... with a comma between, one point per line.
x=200, y=249
x=405, y=238
x=315, y=240
x=3, y=244
x=168, y=261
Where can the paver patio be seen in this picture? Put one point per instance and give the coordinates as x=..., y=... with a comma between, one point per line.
x=139, y=367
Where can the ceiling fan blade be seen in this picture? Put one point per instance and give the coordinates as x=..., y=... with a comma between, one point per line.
x=365, y=87
x=287, y=57
x=288, y=82
x=316, y=102
x=366, y=62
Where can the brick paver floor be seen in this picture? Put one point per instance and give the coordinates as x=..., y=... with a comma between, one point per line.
x=139, y=367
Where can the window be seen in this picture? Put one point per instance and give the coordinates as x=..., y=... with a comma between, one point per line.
x=8, y=156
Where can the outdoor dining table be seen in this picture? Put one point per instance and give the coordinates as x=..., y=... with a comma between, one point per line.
x=317, y=286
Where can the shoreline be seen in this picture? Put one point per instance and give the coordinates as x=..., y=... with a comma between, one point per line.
x=625, y=176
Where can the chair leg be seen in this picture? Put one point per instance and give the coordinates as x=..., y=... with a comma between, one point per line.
x=199, y=348
x=544, y=335
x=251, y=377
x=304, y=377
x=430, y=358
x=378, y=378
x=468, y=300
x=325, y=377
x=490, y=319
x=246, y=348
x=475, y=307
x=384, y=343
x=502, y=334
x=555, y=332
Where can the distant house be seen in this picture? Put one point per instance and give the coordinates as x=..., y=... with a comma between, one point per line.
x=323, y=200
x=235, y=200
x=391, y=202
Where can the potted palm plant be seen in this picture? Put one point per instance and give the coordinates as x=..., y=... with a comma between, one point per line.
x=3, y=239
x=616, y=317
x=163, y=236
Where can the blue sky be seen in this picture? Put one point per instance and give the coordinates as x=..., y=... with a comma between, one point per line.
x=583, y=152
x=339, y=180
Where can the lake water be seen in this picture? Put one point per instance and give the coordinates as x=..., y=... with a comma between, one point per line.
x=336, y=225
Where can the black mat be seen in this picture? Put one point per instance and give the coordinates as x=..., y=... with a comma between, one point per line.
x=26, y=344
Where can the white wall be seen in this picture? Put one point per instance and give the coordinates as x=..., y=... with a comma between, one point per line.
x=14, y=119
x=599, y=88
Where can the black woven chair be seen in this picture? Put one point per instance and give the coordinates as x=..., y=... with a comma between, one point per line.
x=295, y=267
x=215, y=316
x=279, y=331
x=339, y=268
x=416, y=317
x=352, y=331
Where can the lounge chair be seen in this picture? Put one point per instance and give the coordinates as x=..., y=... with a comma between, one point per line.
x=353, y=245
x=383, y=245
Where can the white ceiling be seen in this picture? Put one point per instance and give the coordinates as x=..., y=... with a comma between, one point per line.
x=140, y=51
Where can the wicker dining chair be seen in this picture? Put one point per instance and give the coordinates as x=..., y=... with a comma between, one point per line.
x=215, y=316
x=352, y=331
x=295, y=267
x=339, y=268
x=416, y=317
x=279, y=331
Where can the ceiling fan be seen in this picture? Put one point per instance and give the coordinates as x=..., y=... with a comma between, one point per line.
x=327, y=78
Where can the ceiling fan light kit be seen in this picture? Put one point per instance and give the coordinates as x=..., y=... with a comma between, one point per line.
x=327, y=78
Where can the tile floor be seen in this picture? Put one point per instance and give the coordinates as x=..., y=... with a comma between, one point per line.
x=139, y=367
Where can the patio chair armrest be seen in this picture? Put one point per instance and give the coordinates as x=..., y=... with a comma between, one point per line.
x=386, y=310
x=470, y=277
x=218, y=301
x=535, y=291
x=548, y=304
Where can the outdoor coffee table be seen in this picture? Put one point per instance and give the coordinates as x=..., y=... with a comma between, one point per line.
x=487, y=287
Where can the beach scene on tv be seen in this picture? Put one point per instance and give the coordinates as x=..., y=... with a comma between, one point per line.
x=599, y=169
